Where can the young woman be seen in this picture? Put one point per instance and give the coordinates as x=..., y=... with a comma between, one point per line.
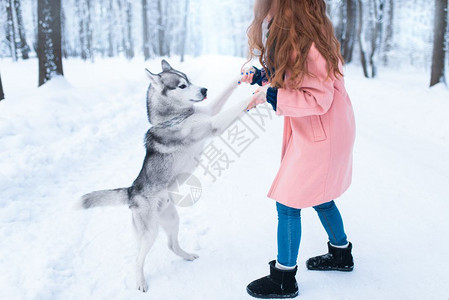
x=302, y=78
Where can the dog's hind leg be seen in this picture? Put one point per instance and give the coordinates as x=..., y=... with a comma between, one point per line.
x=169, y=220
x=145, y=224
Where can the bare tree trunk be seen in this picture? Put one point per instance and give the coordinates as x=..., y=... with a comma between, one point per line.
x=340, y=29
x=388, y=42
x=49, y=39
x=123, y=26
x=110, y=29
x=362, y=41
x=195, y=38
x=34, y=18
x=88, y=30
x=129, y=36
x=10, y=30
x=85, y=29
x=2, y=94
x=23, y=46
x=350, y=30
x=376, y=33
x=168, y=28
x=82, y=32
x=439, y=51
x=328, y=7
x=161, y=29
x=64, y=43
x=146, y=40
x=184, y=30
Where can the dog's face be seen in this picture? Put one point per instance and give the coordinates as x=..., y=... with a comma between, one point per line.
x=175, y=86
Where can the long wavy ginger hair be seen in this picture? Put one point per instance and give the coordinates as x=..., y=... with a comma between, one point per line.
x=295, y=24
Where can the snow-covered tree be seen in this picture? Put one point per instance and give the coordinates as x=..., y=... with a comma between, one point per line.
x=370, y=32
x=182, y=47
x=145, y=31
x=22, y=43
x=129, y=44
x=346, y=27
x=15, y=34
x=2, y=94
x=11, y=30
x=361, y=39
x=439, y=43
x=49, y=39
x=376, y=26
x=85, y=29
x=389, y=31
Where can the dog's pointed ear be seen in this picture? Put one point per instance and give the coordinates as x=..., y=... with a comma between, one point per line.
x=165, y=66
x=153, y=77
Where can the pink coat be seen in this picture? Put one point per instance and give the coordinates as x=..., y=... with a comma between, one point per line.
x=319, y=133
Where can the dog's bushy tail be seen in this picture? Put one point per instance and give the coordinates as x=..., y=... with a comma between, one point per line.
x=105, y=198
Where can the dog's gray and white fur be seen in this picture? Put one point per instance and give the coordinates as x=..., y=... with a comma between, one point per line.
x=178, y=134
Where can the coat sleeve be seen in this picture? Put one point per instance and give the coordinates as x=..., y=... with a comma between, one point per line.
x=260, y=76
x=314, y=95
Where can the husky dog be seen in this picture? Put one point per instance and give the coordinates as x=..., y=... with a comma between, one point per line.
x=178, y=134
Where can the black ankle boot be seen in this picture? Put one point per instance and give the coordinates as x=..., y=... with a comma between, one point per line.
x=338, y=259
x=279, y=284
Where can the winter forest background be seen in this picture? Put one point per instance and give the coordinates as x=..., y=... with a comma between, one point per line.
x=373, y=33
x=83, y=131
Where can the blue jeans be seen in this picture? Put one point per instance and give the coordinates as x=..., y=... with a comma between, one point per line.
x=289, y=229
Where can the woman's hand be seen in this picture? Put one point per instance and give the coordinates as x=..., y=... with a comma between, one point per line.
x=259, y=97
x=247, y=75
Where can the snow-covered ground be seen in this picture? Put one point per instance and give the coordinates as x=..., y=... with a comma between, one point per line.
x=85, y=132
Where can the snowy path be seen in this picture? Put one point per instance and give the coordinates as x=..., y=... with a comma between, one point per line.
x=85, y=133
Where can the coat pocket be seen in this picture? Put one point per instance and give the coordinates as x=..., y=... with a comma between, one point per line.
x=318, y=130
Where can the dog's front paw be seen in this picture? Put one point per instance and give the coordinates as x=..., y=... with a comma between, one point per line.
x=142, y=285
x=190, y=256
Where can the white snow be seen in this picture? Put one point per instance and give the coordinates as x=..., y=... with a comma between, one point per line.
x=85, y=132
